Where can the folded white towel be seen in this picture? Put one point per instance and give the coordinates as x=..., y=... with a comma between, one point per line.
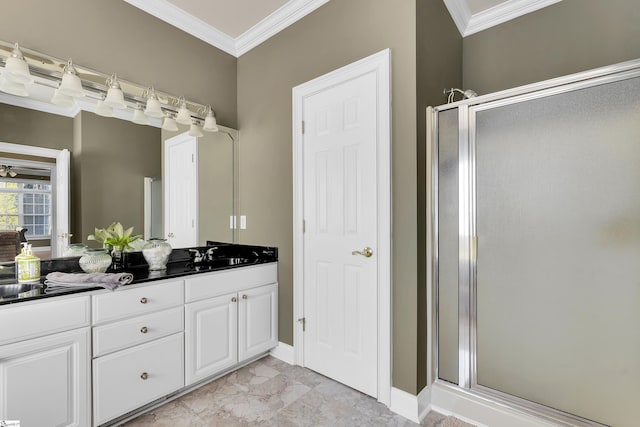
x=57, y=281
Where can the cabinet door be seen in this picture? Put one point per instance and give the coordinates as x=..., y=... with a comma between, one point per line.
x=257, y=321
x=211, y=329
x=45, y=381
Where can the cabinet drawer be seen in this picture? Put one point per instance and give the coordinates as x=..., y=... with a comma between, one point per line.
x=136, y=301
x=126, y=333
x=131, y=378
x=223, y=282
x=40, y=318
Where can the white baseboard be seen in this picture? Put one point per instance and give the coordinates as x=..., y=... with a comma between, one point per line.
x=478, y=411
x=284, y=352
x=414, y=408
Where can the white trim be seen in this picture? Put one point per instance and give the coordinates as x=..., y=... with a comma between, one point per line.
x=380, y=63
x=289, y=13
x=277, y=21
x=414, y=408
x=470, y=24
x=60, y=190
x=450, y=400
x=460, y=13
x=284, y=352
x=171, y=14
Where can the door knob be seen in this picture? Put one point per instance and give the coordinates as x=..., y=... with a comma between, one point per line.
x=366, y=252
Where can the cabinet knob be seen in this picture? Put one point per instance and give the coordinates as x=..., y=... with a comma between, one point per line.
x=144, y=375
x=144, y=330
x=244, y=296
x=234, y=299
x=143, y=300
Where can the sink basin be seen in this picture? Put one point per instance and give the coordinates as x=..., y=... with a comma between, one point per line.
x=19, y=290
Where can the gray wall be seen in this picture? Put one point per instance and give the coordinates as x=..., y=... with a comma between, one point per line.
x=114, y=37
x=30, y=127
x=338, y=33
x=565, y=38
x=115, y=156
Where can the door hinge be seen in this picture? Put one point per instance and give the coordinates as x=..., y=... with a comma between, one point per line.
x=304, y=226
x=303, y=127
x=193, y=158
x=303, y=320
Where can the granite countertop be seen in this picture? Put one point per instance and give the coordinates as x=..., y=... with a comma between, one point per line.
x=181, y=263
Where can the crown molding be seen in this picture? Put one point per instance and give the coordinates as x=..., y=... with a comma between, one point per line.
x=286, y=15
x=460, y=12
x=470, y=24
x=169, y=13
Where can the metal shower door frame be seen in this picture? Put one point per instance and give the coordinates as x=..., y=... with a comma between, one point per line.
x=467, y=233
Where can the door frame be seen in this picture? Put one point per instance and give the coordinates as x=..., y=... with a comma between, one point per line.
x=60, y=186
x=380, y=64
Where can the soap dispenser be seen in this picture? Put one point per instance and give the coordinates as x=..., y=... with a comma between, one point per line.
x=27, y=265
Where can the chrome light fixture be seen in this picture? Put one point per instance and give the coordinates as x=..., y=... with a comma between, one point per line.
x=169, y=124
x=71, y=85
x=184, y=115
x=115, y=97
x=195, y=129
x=16, y=69
x=210, y=123
x=139, y=117
x=153, y=108
x=7, y=170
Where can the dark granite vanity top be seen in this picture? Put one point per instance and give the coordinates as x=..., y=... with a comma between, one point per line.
x=182, y=262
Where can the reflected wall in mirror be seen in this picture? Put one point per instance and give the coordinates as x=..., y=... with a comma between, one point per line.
x=216, y=188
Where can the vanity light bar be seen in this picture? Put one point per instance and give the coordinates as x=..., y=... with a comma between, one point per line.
x=94, y=83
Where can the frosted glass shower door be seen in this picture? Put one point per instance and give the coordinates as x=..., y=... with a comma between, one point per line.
x=557, y=198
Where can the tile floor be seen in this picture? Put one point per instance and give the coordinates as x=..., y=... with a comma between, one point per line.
x=269, y=392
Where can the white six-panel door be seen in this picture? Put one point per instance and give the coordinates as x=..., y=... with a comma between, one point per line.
x=181, y=191
x=340, y=214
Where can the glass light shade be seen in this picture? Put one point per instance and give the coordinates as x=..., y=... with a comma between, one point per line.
x=139, y=117
x=62, y=100
x=184, y=115
x=71, y=85
x=210, y=123
x=12, y=87
x=103, y=110
x=115, y=98
x=16, y=69
x=195, y=130
x=169, y=124
x=153, y=108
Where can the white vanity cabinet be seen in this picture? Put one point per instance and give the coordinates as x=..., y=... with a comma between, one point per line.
x=45, y=361
x=138, y=347
x=231, y=316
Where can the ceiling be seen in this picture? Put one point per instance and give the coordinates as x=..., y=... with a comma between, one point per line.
x=237, y=26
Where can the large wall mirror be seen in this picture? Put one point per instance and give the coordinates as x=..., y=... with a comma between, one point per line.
x=112, y=161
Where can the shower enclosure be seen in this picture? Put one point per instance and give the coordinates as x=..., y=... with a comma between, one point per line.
x=535, y=234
